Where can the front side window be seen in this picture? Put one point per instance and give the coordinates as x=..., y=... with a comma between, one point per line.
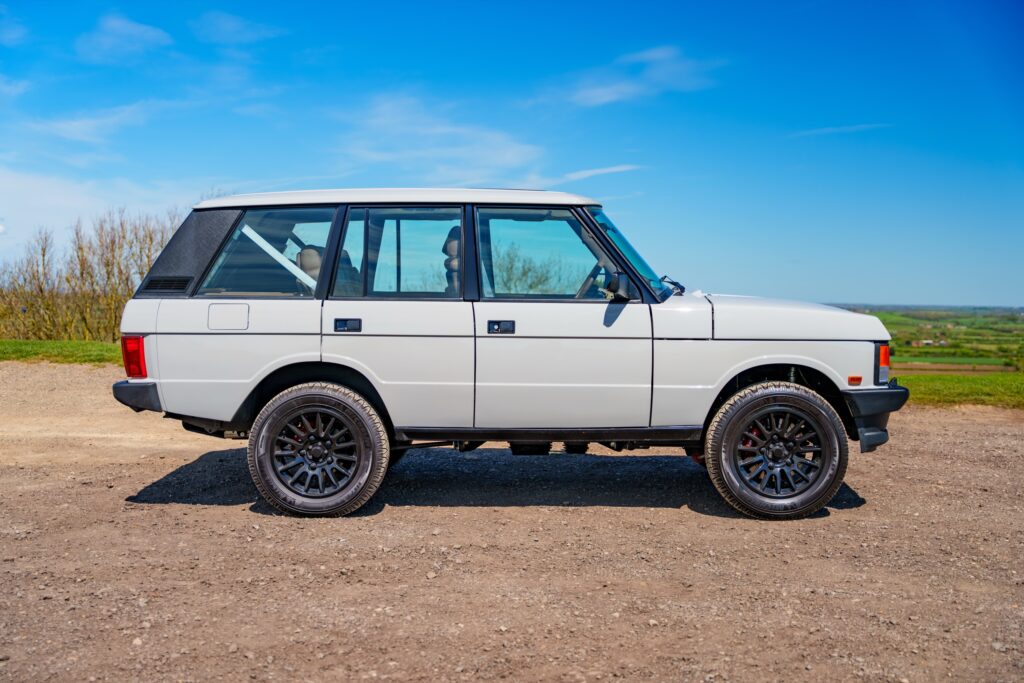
x=540, y=254
x=401, y=252
x=272, y=252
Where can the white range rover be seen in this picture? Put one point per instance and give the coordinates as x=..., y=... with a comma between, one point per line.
x=338, y=329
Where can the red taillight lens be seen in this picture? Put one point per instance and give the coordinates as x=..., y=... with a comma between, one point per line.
x=883, y=364
x=133, y=351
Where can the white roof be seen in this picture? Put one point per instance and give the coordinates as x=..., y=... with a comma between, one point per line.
x=398, y=195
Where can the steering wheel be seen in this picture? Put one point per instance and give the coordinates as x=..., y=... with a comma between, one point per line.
x=589, y=282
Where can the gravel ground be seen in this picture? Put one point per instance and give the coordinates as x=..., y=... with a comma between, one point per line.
x=131, y=549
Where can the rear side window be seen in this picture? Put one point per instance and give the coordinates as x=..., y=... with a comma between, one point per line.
x=401, y=252
x=272, y=252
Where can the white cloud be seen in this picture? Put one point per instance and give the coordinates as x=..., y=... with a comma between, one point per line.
x=12, y=33
x=117, y=38
x=539, y=182
x=227, y=29
x=403, y=132
x=12, y=88
x=35, y=200
x=642, y=74
x=97, y=127
x=839, y=130
x=3, y=228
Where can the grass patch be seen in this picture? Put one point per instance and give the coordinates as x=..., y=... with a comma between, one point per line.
x=952, y=360
x=1005, y=389
x=91, y=352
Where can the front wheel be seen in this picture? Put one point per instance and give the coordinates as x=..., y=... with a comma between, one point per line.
x=318, y=449
x=776, y=450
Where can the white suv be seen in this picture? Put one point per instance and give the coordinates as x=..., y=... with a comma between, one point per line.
x=337, y=329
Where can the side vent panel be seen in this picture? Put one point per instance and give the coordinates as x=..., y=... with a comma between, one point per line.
x=167, y=285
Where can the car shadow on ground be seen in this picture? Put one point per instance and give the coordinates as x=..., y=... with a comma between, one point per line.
x=485, y=477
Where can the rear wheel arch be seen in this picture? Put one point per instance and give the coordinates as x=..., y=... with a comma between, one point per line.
x=302, y=373
x=794, y=373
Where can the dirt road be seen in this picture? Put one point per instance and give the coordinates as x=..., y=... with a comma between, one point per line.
x=131, y=549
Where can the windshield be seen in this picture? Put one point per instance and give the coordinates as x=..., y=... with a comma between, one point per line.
x=631, y=254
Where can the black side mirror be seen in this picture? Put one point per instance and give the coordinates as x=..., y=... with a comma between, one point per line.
x=618, y=285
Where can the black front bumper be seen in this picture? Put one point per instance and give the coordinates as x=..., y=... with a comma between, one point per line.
x=138, y=396
x=870, y=410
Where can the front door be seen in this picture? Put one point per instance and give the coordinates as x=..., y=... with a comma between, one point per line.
x=552, y=349
x=396, y=314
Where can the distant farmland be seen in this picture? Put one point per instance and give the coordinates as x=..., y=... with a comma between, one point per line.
x=952, y=339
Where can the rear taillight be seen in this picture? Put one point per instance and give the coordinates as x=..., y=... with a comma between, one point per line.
x=882, y=363
x=133, y=351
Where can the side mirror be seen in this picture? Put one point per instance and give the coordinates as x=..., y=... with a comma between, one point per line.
x=618, y=285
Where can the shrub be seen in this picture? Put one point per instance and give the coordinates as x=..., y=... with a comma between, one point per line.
x=79, y=292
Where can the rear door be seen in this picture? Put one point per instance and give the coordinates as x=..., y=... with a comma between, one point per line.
x=552, y=349
x=255, y=310
x=396, y=312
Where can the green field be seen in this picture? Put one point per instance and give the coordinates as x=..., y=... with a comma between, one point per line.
x=962, y=335
x=91, y=352
x=1004, y=389
x=950, y=360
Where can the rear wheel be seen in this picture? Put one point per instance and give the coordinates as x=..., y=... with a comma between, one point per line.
x=318, y=449
x=776, y=450
x=576, y=447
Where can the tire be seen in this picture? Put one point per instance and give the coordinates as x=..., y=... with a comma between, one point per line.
x=530, y=447
x=576, y=447
x=318, y=449
x=762, y=472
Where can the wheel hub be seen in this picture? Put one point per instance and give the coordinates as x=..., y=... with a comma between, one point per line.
x=779, y=454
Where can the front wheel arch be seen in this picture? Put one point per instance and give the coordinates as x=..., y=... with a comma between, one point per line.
x=805, y=376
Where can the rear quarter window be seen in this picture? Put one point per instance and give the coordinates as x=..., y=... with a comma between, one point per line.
x=271, y=252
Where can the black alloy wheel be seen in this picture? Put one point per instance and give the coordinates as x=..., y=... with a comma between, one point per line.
x=318, y=449
x=776, y=450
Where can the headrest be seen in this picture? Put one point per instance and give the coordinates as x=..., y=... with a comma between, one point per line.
x=309, y=260
x=451, y=243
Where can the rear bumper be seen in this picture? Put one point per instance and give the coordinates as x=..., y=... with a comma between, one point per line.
x=870, y=409
x=138, y=396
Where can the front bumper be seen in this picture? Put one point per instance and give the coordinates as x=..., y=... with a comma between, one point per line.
x=870, y=410
x=138, y=396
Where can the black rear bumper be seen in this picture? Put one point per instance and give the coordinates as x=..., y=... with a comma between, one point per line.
x=870, y=410
x=138, y=396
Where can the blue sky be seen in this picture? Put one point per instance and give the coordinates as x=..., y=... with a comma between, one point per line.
x=838, y=152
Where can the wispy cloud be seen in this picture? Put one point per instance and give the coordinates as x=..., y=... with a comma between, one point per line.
x=641, y=74
x=12, y=88
x=222, y=28
x=117, y=38
x=839, y=130
x=31, y=200
x=401, y=131
x=540, y=182
x=12, y=33
x=97, y=127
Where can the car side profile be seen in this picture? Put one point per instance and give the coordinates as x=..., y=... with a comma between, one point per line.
x=337, y=329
